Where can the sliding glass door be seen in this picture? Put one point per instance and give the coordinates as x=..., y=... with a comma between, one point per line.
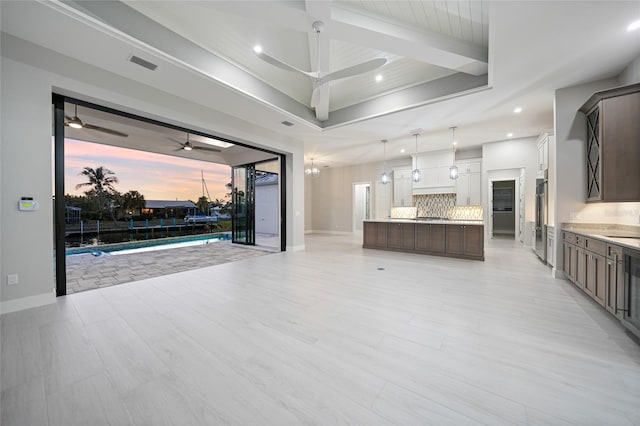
x=243, y=198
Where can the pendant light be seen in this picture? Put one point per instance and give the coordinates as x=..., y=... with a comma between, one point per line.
x=453, y=170
x=415, y=174
x=312, y=170
x=384, y=177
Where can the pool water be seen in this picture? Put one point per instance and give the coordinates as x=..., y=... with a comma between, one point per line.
x=149, y=245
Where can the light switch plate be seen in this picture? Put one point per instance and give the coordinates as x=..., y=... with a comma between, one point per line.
x=12, y=279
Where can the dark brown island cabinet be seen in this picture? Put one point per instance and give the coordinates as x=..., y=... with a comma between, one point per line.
x=461, y=240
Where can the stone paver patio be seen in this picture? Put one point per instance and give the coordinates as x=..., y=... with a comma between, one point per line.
x=86, y=271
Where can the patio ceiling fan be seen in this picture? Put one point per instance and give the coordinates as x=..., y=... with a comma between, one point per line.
x=76, y=123
x=188, y=146
x=319, y=78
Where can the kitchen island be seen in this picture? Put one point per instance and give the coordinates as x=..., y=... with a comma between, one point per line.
x=451, y=238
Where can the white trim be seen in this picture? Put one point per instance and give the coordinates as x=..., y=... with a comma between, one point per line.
x=300, y=247
x=22, y=303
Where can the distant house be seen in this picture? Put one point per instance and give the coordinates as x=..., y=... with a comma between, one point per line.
x=169, y=208
x=72, y=215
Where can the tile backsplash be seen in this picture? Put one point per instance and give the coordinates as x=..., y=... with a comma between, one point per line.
x=621, y=213
x=466, y=213
x=434, y=205
x=444, y=206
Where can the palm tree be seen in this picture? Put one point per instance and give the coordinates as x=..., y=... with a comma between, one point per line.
x=101, y=181
x=132, y=201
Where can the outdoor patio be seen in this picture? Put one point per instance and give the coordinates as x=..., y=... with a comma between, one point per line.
x=86, y=271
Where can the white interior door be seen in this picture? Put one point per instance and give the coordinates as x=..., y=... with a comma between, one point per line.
x=361, y=205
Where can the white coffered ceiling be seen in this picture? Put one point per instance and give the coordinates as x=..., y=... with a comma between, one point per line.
x=464, y=63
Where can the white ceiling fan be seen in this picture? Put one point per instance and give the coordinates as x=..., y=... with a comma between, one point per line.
x=318, y=78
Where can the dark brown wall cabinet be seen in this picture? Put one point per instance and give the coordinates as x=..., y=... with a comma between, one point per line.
x=613, y=144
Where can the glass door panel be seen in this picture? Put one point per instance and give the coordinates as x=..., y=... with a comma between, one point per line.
x=243, y=198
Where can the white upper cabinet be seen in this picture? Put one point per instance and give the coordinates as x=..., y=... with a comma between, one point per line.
x=434, y=173
x=402, y=194
x=469, y=183
x=543, y=152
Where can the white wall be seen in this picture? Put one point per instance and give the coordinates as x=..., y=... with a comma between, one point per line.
x=570, y=157
x=26, y=164
x=332, y=204
x=267, y=206
x=631, y=74
x=503, y=160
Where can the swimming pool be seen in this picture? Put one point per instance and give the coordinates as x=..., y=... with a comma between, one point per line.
x=149, y=245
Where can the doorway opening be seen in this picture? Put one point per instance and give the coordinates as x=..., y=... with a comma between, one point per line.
x=361, y=205
x=504, y=209
x=179, y=185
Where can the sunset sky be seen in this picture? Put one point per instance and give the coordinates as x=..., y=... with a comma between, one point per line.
x=156, y=176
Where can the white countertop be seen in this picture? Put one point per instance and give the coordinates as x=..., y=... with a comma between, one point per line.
x=613, y=236
x=430, y=221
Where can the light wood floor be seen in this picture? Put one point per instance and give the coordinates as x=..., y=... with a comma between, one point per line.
x=332, y=335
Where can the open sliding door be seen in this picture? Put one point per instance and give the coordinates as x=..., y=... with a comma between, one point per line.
x=243, y=229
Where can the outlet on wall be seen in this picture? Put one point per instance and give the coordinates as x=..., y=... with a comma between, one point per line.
x=12, y=279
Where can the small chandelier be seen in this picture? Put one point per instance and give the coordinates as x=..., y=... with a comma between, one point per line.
x=312, y=170
x=453, y=170
x=415, y=173
x=384, y=177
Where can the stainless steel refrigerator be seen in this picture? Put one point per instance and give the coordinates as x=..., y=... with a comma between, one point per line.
x=541, y=217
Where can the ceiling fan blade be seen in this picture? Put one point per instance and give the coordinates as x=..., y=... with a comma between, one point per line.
x=105, y=130
x=355, y=70
x=176, y=140
x=178, y=149
x=203, y=148
x=282, y=65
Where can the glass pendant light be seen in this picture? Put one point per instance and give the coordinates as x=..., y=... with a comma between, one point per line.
x=384, y=177
x=453, y=170
x=415, y=174
x=312, y=170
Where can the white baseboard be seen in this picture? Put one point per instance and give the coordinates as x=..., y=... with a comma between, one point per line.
x=299, y=247
x=23, y=303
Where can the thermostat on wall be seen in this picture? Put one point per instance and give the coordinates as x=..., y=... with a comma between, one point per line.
x=26, y=204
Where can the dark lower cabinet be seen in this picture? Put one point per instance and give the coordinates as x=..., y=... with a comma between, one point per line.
x=375, y=234
x=401, y=236
x=465, y=240
x=430, y=237
x=596, y=277
x=614, y=286
x=596, y=268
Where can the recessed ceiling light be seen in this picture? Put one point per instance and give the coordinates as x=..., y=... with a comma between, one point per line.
x=379, y=77
x=257, y=48
x=633, y=26
x=402, y=151
x=518, y=110
x=509, y=135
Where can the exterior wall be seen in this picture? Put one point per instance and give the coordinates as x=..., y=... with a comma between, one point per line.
x=27, y=82
x=267, y=203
